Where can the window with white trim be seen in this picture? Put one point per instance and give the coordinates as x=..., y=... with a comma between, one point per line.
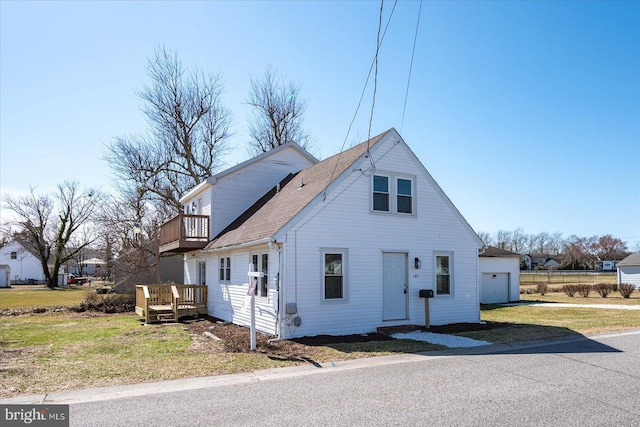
x=444, y=276
x=225, y=269
x=334, y=284
x=14, y=255
x=394, y=194
x=261, y=263
x=404, y=198
x=381, y=193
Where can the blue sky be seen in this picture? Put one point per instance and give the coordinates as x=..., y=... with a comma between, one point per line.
x=526, y=113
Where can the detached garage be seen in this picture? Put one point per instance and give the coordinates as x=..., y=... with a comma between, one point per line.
x=500, y=272
x=629, y=270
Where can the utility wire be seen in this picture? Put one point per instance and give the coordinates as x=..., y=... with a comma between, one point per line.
x=364, y=89
x=413, y=52
x=375, y=84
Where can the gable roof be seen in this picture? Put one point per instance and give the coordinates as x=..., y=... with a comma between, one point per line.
x=492, y=252
x=212, y=179
x=633, y=259
x=276, y=208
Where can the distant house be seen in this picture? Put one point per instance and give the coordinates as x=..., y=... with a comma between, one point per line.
x=342, y=246
x=22, y=262
x=500, y=272
x=5, y=276
x=629, y=270
x=535, y=261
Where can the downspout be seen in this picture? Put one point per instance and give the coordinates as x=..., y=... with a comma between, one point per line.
x=279, y=317
x=479, y=280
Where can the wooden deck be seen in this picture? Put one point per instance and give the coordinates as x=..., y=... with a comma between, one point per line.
x=168, y=303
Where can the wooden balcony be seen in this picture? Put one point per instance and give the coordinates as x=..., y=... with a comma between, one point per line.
x=168, y=303
x=184, y=233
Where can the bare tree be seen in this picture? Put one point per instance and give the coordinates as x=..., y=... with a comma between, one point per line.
x=55, y=226
x=278, y=115
x=188, y=132
x=485, y=236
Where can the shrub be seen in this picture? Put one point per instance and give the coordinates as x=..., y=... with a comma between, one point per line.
x=541, y=288
x=603, y=289
x=626, y=289
x=584, y=290
x=570, y=290
x=112, y=303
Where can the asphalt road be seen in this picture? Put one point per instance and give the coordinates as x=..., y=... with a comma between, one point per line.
x=581, y=382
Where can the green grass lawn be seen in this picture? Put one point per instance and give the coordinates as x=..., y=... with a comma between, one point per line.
x=37, y=297
x=43, y=353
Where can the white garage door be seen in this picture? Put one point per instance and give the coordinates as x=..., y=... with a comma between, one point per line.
x=495, y=288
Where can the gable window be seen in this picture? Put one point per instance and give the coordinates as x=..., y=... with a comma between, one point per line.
x=261, y=263
x=334, y=286
x=381, y=193
x=14, y=255
x=225, y=269
x=394, y=193
x=443, y=274
x=404, y=197
x=202, y=272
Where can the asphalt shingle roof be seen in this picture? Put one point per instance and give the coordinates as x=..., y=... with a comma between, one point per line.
x=633, y=259
x=276, y=208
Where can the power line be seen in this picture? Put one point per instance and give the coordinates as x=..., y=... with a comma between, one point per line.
x=375, y=83
x=413, y=51
x=364, y=89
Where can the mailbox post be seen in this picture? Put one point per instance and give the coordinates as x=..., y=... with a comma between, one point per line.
x=426, y=294
x=253, y=284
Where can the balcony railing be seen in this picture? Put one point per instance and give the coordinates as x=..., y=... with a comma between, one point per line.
x=184, y=233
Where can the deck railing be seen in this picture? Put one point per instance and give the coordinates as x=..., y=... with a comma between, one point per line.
x=184, y=232
x=180, y=299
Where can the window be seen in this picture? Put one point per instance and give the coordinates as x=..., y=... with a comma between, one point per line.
x=381, y=193
x=443, y=274
x=202, y=272
x=334, y=283
x=261, y=263
x=225, y=269
x=394, y=194
x=405, y=200
x=14, y=255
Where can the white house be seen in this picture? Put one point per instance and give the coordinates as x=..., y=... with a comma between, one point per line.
x=500, y=272
x=23, y=264
x=629, y=270
x=345, y=244
x=5, y=276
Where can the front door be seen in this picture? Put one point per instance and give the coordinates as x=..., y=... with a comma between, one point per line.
x=394, y=286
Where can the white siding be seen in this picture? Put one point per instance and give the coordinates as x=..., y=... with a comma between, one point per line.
x=25, y=266
x=345, y=220
x=229, y=300
x=509, y=265
x=629, y=274
x=236, y=192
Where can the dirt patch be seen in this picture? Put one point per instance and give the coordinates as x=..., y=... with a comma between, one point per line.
x=236, y=339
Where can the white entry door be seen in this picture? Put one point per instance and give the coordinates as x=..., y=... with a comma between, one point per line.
x=394, y=286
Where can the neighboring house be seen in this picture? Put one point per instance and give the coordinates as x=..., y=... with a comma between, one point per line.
x=5, y=276
x=500, y=272
x=541, y=261
x=23, y=263
x=345, y=244
x=629, y=270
